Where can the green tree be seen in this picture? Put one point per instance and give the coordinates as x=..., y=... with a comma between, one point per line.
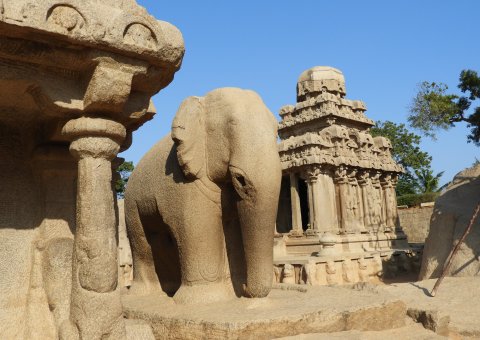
x=124, y=171
x=406, y=151
x=428, y=182
x=433, y=108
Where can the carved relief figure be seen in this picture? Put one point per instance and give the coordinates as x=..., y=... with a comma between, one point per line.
x=363, y=270
x=277, y=274
x=214, y=181
x=310, y=269
x=288, y=274
x=331, y=272
x=347, y=271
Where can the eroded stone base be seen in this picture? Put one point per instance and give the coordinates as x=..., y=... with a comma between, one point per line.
x=350, y=259
x=289, y=310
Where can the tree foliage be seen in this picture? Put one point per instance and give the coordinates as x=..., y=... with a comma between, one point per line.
x=406, y=151
x=433, y=108
x=426, y=181
x=124, y=171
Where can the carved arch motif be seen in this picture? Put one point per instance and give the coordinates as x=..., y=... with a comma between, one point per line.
x=140, y=35
x=65, y=18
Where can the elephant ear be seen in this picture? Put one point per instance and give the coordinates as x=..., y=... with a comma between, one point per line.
x=188, y=133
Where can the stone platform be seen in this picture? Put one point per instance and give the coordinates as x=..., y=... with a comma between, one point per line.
x=349, y=259
x=454, y=311
x=452, y=314
x=289, y=310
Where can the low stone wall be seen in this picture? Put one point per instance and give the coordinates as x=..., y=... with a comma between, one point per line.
x=415, y=222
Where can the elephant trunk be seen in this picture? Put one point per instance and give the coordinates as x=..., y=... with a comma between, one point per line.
x=257, y=211
x=257, y=234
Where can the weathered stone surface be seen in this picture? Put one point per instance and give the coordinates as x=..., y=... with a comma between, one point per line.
x=129, y=27
x=451, y=216
x=284, y=312
x=201, y=205
x=125, y=261
x=415, y=222
x=411, y=331
x=453, y=311
x=138, y=330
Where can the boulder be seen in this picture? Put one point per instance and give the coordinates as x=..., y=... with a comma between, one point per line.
x=451, y=216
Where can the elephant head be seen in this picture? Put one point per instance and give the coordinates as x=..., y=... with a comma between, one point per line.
x=229, y=137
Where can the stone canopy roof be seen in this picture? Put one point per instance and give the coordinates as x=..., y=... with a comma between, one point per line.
x=109, y=24
x=64, y=59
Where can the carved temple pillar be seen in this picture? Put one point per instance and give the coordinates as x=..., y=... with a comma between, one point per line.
x=94, y=143
x=324, y=201
x=356, y=203
x=297, y=229
x=351, y=218
x=390, y=203
x=378, y=216
x=365, y=185
x=342, y=183
x=311, y=180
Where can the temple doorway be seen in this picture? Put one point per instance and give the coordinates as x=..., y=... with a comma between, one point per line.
x=303, y=194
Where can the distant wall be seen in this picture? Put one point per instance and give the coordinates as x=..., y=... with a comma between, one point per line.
x=415, y=222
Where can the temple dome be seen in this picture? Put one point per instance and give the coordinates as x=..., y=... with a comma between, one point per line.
x=321, y=78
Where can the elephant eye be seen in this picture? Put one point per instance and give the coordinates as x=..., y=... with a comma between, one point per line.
x=241, y=180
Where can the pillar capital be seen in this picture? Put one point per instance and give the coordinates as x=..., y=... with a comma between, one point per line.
x=386, y=180
x=312, y=173
x=340, y=175
x=94, y=137
x=363, y=178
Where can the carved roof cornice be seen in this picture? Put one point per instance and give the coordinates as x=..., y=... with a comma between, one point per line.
x=115, y=25
x=322, y=108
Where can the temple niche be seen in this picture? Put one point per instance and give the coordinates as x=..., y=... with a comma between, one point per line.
x=337, y=215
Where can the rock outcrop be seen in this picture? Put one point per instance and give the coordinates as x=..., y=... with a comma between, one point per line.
x=451, y=215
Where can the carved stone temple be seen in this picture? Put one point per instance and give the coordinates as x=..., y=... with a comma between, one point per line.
x=337, y=218
x=76, y=78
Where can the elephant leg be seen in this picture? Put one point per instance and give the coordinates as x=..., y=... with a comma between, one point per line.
x=145, y=280
x=203, y=258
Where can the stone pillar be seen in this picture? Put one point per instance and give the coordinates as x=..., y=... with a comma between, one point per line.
x=356, y=203
x=390, y=203
x=325, y=202
x=297, y=229
x=314, y=208
x=394, y=203
x=378, y=221
x=94, y=143
x=346, y=217
x=311, y=206
x=367, y=202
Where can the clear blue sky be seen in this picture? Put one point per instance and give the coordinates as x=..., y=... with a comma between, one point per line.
x=384, y=49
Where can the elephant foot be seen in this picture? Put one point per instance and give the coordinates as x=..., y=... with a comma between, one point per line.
x=204, y=293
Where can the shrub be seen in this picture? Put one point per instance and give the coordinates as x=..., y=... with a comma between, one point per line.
x=415, y=199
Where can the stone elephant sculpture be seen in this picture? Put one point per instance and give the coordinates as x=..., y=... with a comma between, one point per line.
x=202, y=203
